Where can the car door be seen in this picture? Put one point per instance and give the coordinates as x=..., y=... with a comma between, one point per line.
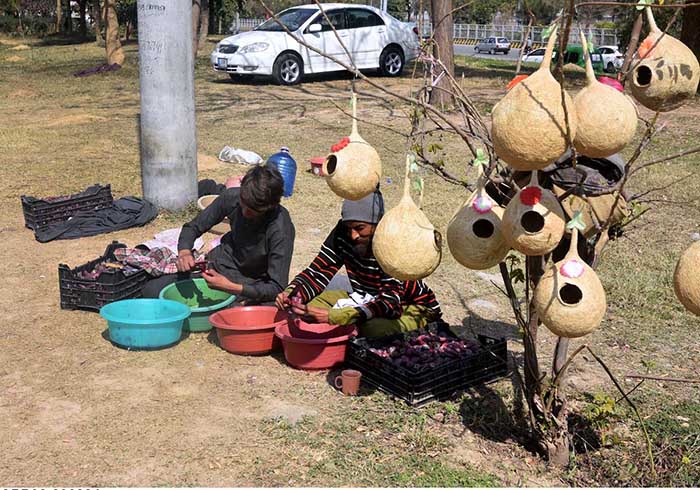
x=368, y=36
x=327, y=41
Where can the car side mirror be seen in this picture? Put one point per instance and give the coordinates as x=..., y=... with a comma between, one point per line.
x=314, y=28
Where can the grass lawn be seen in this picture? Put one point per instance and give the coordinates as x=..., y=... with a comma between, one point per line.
x=79, y=411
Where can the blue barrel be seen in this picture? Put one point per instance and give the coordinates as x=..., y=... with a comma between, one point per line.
x=287, y=167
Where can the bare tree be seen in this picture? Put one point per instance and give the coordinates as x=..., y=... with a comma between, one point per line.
x=690, y=34
x=196, y=13
x=59, y=16
x=115, y=53
x=203, y=24
x=544, y=388
x=443, y=50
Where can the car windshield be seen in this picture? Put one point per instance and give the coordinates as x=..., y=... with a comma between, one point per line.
x=292, y=20
x=502, y=40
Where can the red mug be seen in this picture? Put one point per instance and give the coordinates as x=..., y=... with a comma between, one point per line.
x=349, y=382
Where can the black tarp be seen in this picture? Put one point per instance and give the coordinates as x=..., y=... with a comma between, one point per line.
x=126, y=212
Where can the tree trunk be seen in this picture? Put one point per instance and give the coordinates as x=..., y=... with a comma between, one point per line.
x=204, y=24
x=196, y=14
x=83, y=23
x=59, y=15
x=443, y=50
x=97, y=15
x=631, y=48
x=690, y=33
x=115, y=53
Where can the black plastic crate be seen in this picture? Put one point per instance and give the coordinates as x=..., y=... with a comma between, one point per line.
x=40, y=212
x=441, y=383
x=78, y=293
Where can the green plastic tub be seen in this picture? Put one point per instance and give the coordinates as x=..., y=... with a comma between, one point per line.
x=201, y=299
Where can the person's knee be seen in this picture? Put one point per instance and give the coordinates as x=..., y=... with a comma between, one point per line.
x=151, y=289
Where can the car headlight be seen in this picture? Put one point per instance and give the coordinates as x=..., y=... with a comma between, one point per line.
x=254, y=48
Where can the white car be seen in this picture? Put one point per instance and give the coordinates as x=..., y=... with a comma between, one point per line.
x=371, y=39
x=612, y=58
x=534, y=56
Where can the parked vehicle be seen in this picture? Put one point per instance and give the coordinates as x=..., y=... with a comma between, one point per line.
x=574, y=55
x=612, y=58
x=493, y=45
x=364, y=36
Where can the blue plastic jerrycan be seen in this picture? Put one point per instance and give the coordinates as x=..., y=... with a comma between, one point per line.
x=287, y=167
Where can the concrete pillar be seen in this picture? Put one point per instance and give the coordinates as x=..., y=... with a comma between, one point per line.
x=166, y=75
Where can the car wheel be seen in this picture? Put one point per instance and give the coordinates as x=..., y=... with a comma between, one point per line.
x=610, y=68
x=391, y=61
x=490, y=51
x=288, y=69
x=476, y=49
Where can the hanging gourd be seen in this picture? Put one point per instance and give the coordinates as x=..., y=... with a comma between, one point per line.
x=569, y=299
x=533, y=222
x=686, y=279
x=606, y=118
x=529, y=124
x=406, y=244
x=354, y=168
x=474, y=233
x=668, y=72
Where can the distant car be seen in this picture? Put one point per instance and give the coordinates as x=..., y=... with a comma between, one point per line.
x=370, y=38
x=493, y=45
x=612, y=58
x=573, y=55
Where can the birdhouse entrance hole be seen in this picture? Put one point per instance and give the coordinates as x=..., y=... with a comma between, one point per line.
x=331, y=162
x=643, y=76
x=483, y=228
x=532, y=222
x=570, y=294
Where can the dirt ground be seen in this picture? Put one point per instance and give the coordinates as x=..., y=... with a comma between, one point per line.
x=79, y=411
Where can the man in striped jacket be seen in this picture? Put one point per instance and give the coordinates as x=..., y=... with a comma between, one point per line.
x=380, y=304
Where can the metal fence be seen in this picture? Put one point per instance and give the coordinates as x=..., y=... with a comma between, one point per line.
x=513, y=32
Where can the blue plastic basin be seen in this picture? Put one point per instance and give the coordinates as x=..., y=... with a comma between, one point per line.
x=145, y=323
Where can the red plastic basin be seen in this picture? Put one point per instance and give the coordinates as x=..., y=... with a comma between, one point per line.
x=314, y=345
x=248, y=329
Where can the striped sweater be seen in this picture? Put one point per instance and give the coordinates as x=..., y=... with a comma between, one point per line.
x=366, y=276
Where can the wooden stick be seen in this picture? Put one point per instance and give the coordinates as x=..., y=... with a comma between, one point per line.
x=659, y=378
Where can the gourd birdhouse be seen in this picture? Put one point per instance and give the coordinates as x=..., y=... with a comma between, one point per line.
x=533, y=222
x=667, y=73
x=406, y=244
x=686, y=279
x=474, y=233
x=529, y=124
x=606, y=118
x=569, y=299
x=354, y=168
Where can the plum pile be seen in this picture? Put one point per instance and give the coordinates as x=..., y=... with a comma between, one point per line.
x=426, y=351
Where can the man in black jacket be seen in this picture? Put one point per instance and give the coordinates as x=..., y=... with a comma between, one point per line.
x=253, y=259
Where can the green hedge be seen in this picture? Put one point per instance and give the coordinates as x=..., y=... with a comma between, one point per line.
x=31, y=25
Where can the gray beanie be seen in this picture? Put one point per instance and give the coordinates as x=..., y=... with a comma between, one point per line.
x=369, y=209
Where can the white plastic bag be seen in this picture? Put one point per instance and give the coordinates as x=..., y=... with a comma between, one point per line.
x=236, y=155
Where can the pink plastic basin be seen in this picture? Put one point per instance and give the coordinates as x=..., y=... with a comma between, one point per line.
x=314, y=345
x=248, y=329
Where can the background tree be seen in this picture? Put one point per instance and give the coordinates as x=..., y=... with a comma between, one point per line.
x=690, y=33
x=115, y=53
x=443, y=52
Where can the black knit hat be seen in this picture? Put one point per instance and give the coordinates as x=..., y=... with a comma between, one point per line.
x=369, y=209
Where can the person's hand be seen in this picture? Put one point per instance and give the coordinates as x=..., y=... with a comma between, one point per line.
x=216, y=280
x=282, y=300
x=185, y=261
x=233, y=181
x=313, y=313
